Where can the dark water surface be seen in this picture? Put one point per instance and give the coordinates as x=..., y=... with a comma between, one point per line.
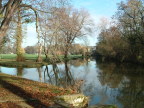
x=104, y=83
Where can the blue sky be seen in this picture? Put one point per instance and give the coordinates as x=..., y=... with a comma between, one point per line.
x=97, y=9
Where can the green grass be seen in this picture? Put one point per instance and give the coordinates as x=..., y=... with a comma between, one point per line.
x=33, y=56
x=13, y=56
x=7, y=56
x=74, y=56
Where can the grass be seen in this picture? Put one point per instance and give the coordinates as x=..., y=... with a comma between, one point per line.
x=13, y=56
x=19, y=92
x=7, y=56
x=33, y=56
x=9, y=60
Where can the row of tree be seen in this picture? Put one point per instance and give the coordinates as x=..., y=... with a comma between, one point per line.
x=123, y=38
x=58, y=24
x=76, y=49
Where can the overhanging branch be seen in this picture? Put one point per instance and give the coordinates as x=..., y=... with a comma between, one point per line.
x=29, y=6
x=36, y=14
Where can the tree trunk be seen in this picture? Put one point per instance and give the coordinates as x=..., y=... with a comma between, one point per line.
x=11, y=7
x=39, y=59
x=19, y=51
x=0, y=5
x=66, y=55
x=46, y=52
x=66, y=52
x=1, y=42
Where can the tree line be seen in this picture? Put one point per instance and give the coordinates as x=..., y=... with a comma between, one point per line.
x=123, y=38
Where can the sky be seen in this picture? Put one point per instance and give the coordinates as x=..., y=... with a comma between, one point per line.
x=97, y=8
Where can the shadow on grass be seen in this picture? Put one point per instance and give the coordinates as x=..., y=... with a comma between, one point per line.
x=23, y=94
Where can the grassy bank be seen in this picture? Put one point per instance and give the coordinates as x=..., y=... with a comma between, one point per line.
x=26, y=64
x=13, y=56
x=18, y=92
x=32, y=56
x=10, y=60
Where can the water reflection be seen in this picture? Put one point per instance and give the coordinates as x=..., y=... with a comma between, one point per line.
x=19, y=71
x=0, y=70
x=127, y=80
x=79, y=62
x=109, y=75
x=104, y=83
x=61, y=75
x=131, y=93
x=39, y=70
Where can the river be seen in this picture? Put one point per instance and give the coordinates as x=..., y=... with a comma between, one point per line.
x=104, y=83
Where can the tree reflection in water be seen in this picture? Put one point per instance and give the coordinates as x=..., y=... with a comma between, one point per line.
x=19, y=71
x=0, y=70
x=132, y=92
x=62, y=77
x=128, y=82
x=40, y=73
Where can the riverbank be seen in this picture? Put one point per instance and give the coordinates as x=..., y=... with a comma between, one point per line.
x=102, y=58
x=19, y=92
x=26, y=64
x=32, y=56
x=9, y=60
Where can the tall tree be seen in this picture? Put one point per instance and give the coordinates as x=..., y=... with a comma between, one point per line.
x=19, y=37
x=69, y=24
x=49, y=31
x=126, y=35
x=131, y=19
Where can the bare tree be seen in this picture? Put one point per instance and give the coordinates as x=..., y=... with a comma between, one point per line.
x=70, y=24
x=49, y=29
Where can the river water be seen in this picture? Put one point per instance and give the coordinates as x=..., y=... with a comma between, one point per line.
x=104, y=83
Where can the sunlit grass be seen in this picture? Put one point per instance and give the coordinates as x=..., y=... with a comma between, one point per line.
x=13, y=56
x=33, y=56
x=8, y=56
